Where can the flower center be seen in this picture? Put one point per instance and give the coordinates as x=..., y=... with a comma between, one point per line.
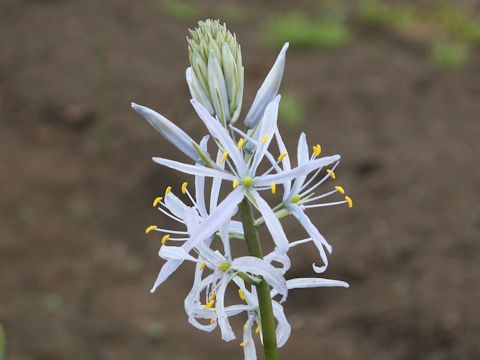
x=224, y=266
x=247, y=181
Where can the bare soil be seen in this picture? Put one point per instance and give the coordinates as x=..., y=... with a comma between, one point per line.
x=77, y=182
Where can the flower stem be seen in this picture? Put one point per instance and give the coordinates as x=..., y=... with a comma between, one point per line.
x=263, y=289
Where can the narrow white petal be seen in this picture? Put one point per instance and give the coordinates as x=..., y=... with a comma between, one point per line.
x=167, y=269
x=200, y=182
x=281, y=258
x=224, y=211
x=216, y=184
x=301, y=283
x=272, y=222
x=298, y=171
x=169, y=130
x=193, y=169
x=218, y=131
x=302, y=158
x=267, y=128
x=283, y=327
x=226, y=329
x=285, y=161
x=253, y=265
x=267, y=91
x=249, y=351
x=175, y=205
x=313, y=232
x=174, y=252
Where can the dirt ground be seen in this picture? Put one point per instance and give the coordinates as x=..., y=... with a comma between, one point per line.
x=77, y=182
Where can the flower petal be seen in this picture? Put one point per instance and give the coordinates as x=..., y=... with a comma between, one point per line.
x=169, y=130
x=226, y=329
x=174, y=252
x=167, y=269
x=224, y=211
x=266, y=180
x=302, y=283
x=192, y=169
x=253, y=265
x=267, y=128
x=272, y=222
x=267, y=91
x=249, y=351
x=218, y=132
x=313, y=232
x=283, y=327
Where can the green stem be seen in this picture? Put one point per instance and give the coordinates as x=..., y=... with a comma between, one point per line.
x=263, y=290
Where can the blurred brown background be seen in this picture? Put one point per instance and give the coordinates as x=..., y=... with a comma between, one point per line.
x=393, y=86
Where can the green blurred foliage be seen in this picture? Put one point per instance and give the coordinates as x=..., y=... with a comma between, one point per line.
x=304, y=32
x=449, y=55
x=292, y=109
x=180, y=10
x=188, y=12
x=445, y=19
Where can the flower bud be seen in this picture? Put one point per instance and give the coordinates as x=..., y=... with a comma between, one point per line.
x=215, y=78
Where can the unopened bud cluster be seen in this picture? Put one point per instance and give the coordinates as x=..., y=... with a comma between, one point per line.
x=215, y=78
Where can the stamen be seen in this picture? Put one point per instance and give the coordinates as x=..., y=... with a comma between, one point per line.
x=317, y=149
x=245, y=327
x=331, y=173
x=340, y=189
x=157, y=200
x=240, y=293
x=240, y=143
x=150, y=228
x=257, y=330
x=167, y=191
x=235, y=183
x=265, y=138
x=212, y=296
x=165, y=238
x=274, y=187
x=202, y=265
x=224, y=157
x=184, y=187
x=212, y=321
x=243, y=343
x=349, y=201
x=281, y=157
x=295, y=199
x=209, y=304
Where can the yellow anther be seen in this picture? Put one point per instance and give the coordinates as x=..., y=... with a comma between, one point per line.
x=240, y=293
x=212, y=321
x=332, y=174
x=157, y=200
x=349, y=201
x=165, y=238
x=243, y=343
x=295, y=199
x=235, y=183
x=340, y=189
x=265, y=138
x=212, y=296
x=202, y=265
x=209, y=304
x=317, y=149
x=224, y=156
x=257, y=330
x=245, y=327
x=168, y=189
x=184, y=187
x=274, y=187
x=150, y=228
x=240, y=143
x=281, y=157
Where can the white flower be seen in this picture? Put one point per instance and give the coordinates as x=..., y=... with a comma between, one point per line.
x=243, y=168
